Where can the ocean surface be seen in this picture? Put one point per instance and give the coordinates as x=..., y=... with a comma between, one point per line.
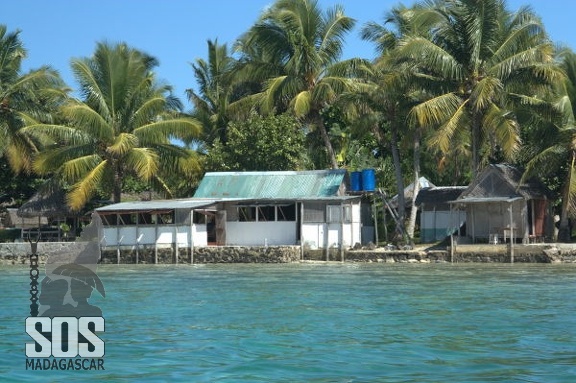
x=318, y=323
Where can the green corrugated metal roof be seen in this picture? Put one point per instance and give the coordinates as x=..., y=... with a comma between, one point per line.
x=273, y=185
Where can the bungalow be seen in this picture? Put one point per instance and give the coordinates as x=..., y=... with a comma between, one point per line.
x=437, y=220
x=307, y=208
x=499, y=207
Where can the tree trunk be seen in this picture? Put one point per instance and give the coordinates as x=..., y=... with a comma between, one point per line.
x=117, y=187
x=327, y=144
x=326, y=139
x=564, y=234
x=475, y=138
x=413, y=208
x=398, y=174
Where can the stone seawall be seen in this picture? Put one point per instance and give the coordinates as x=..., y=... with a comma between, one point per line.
x=17, y=253
x=211, y=254
x=541, y=253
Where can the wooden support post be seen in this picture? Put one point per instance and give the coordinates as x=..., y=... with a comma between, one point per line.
x=342, y=209
x=452, y=248
x=511, y=235
x=375, y=212
x=301, y=231
x=156, y=241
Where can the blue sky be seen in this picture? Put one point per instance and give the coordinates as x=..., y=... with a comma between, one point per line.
x=176, y=31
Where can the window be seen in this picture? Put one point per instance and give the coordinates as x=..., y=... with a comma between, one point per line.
x=286, y=212
x=314, y=212
x=182, y=216
x=334, y=213
x=166, y=218
x=144, y=219
x=266, y=213
x=109, y=219
x=198, y=218
x=247, y=213
x=127, y=219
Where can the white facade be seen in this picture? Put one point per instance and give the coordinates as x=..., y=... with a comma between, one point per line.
x=315, y=224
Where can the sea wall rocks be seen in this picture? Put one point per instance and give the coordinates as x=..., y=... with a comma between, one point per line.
x=211, y=254
x=18, y=253
x=270, y=254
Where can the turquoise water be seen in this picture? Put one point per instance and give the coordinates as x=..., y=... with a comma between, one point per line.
x=320, y=323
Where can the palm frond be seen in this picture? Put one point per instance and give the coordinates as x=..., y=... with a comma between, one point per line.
x=77, y=168
x=184, y=128
x=301, y=104
x=123, y=143
x=143, y=161
x=82, y=191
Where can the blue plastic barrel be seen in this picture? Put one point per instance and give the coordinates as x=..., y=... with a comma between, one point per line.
x=368, y=180
x=356, y=181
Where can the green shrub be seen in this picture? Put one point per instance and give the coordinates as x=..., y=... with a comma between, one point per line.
x=9, y=235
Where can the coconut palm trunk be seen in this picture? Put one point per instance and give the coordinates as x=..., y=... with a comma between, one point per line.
x=411, y=226
x=564, y=234
x=327, y=144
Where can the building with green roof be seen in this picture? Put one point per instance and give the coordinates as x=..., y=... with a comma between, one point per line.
x=277, y=208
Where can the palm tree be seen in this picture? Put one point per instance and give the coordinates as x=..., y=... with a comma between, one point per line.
x=483, y=59
x=211, y=102
x=552, y=133
x=381, y=106
x=299, y=48
x=390, y=89
x=24, y=99
x=123, y=126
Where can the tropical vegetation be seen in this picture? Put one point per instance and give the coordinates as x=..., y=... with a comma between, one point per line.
x=454, y=86
x=123, y=125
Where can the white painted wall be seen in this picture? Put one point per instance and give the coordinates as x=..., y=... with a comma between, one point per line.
x=127, y=235
x=313, y=235
x=260, y=233
x=199, y=235
x=317, y=235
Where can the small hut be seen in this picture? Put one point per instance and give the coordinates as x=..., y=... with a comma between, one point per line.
x=499, y=207
x=49, y=210
x=437, y=220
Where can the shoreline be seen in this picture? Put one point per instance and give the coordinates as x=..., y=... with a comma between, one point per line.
x=18, y=254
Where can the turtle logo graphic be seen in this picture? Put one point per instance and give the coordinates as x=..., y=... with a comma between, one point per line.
x=65, y=324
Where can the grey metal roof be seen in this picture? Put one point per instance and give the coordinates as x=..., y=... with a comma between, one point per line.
x=409, y=191
x=155, y=205
x=272, y=184
x=439, y=195
x=196, y=203
x=485, y=200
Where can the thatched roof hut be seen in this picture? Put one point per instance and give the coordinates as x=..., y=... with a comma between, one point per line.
x=47, y=202
x=16, y=221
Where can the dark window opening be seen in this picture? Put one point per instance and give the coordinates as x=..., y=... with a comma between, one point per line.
x=247, y=214
x=266, y=213
x=286, y=212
